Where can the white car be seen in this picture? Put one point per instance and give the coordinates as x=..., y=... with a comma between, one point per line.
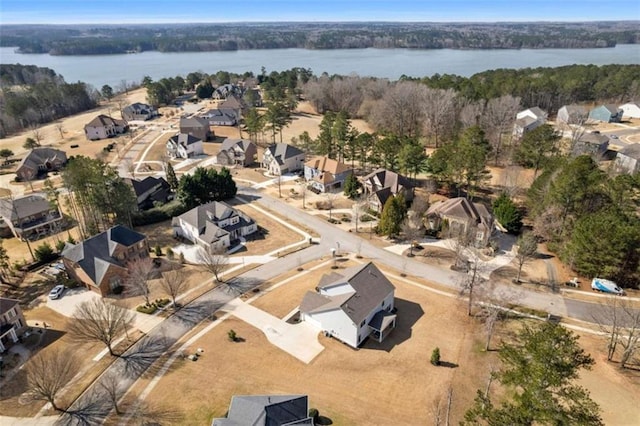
x=56, y=292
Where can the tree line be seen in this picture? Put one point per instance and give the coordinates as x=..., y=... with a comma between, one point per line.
x=31, y=96
x=82, y=40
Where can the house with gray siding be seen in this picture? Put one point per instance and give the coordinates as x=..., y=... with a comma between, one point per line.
x=572, y=114
x=196, y=126
x=139, y=111
x=281, y=158
x=606, y=113
x=594, y=144
x=267, y=410
x=628, y=159
x=240, y=152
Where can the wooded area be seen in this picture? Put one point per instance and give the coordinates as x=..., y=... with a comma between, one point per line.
x=106, y=39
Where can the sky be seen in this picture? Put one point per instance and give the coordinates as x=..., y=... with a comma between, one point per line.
x=180, y=11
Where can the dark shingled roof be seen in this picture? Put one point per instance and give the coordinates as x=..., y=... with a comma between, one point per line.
x=205, y=217
x=370, y=288
x=104, y=121
x=142, y=186
x=6, y=304
x=94, y=255
x=283, y=151
x=266, y=410
x=632, y=151
x=229, y=143
x=184, y=139
x=194, y=122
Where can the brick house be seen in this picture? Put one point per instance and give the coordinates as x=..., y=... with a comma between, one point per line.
x=100, y=262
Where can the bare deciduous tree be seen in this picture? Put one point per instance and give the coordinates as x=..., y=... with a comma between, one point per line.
x=527, y=249
x=471, y=112
x=111, y=385
x=493, y=302
x=438, y=108
x=100, y=321
x=140, y=272
x=400, y=111
x=60, y=129
x=413, y=229
x=173, y=283
x=213, y=261
x=331, y=198
x=620, y=320
x=48, y=372
x=500, y=114
x=36, y=133
x=458, y=240
x=471, y=284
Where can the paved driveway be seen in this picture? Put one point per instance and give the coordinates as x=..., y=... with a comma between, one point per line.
x=299, y=340
x=72, y=297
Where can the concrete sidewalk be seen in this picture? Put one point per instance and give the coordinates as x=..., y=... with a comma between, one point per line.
x=299, y=340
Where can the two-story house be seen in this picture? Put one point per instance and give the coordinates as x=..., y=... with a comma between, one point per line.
x=213, y=226
x=39, y=162
x=12, y=322
x=30, y=215
x=459, y=216
x=103, y=127
x=382, y=184
x=352, y=305
x=196, y=126
x=139, y=111
x=267, y=410
x=595, y=144
x=528, y=120
x=606, y=113
x=572, y=115
x=325, y=174
x=631, y=109
x=100, y=262
x=150, y=191
x=184, y=145
x=237, y=152
x=281, y=158
x=628, y=159
x=221, y=117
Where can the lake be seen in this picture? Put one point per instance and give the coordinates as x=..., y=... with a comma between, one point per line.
x=98, y=70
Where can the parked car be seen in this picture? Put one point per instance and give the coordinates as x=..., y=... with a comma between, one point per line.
x=56, y=292
x=613, y=136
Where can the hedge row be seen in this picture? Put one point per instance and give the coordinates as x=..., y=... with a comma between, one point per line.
x=159, y=214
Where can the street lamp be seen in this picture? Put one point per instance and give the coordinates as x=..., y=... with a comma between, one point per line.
x=335, y=259
x=338, y=248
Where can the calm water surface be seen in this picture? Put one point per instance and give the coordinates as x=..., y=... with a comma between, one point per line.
x=384, y=63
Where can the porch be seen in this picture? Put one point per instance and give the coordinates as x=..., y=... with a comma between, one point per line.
x=382, y=324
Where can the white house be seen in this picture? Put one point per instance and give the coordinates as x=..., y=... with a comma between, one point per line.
x=139, y=111
x=281, y=158
x=214, y=225
x=352, y=305
x=528, y=120
x=103, y=127
x=631, y=110
x=184, y=145
x=572, y=114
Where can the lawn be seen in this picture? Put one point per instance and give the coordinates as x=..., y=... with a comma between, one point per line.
x=388, y=383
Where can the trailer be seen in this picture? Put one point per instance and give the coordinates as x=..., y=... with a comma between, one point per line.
x=606, y=286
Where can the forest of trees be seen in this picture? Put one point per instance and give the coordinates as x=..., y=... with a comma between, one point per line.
x=105, y=39
x=30, y=96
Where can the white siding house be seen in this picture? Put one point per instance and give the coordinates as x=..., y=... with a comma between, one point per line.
x=352, y=306
x=631, y=110
x=184, y=145
x=281, y=158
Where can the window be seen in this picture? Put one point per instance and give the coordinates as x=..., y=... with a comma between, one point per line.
x=11, y=313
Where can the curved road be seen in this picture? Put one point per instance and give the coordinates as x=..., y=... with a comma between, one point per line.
x=93, y=405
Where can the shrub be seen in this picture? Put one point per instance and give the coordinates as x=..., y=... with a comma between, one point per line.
x=333, y=221
x=157, y=250
x=44, y=253
x=507, y=213
x=162, y=302
x=435, y=356
x=314, y=413
x=147, y=309
x=159, y=214
x=345, y=219
x=181, y=258
x=60, y=246
x=170, y=255
x=232, y=335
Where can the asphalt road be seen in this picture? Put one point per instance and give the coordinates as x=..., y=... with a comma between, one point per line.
x=93, y=406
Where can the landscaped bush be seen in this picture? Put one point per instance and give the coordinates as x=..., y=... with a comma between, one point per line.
x=345, y=219
x=170, y=255
x=157, y=250
x=60, y=246
x=435, y=356
x=162, y=302
x=334, y=221
x=366, y=218
x=44, y=253
x=147, y=309
x=314, y=413
x=232, y=335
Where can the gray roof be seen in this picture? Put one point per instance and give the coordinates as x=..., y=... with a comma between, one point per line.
x=233, y=102
x=207, y=216
x=220, y=115
x=388, y=179
x=194, y=122
x=94, y=255
x=39, y=156
x=6, y=304
x=632, y=151
x=138, y=108
x=184, y=139
x=267, y=410
x=525, y=121
x=538, y=112
x=229, y=143
x=105, y=121
x=370, y=288
x=23, y=207
x=593, y=138
x=462, y=209
x=283, y=151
